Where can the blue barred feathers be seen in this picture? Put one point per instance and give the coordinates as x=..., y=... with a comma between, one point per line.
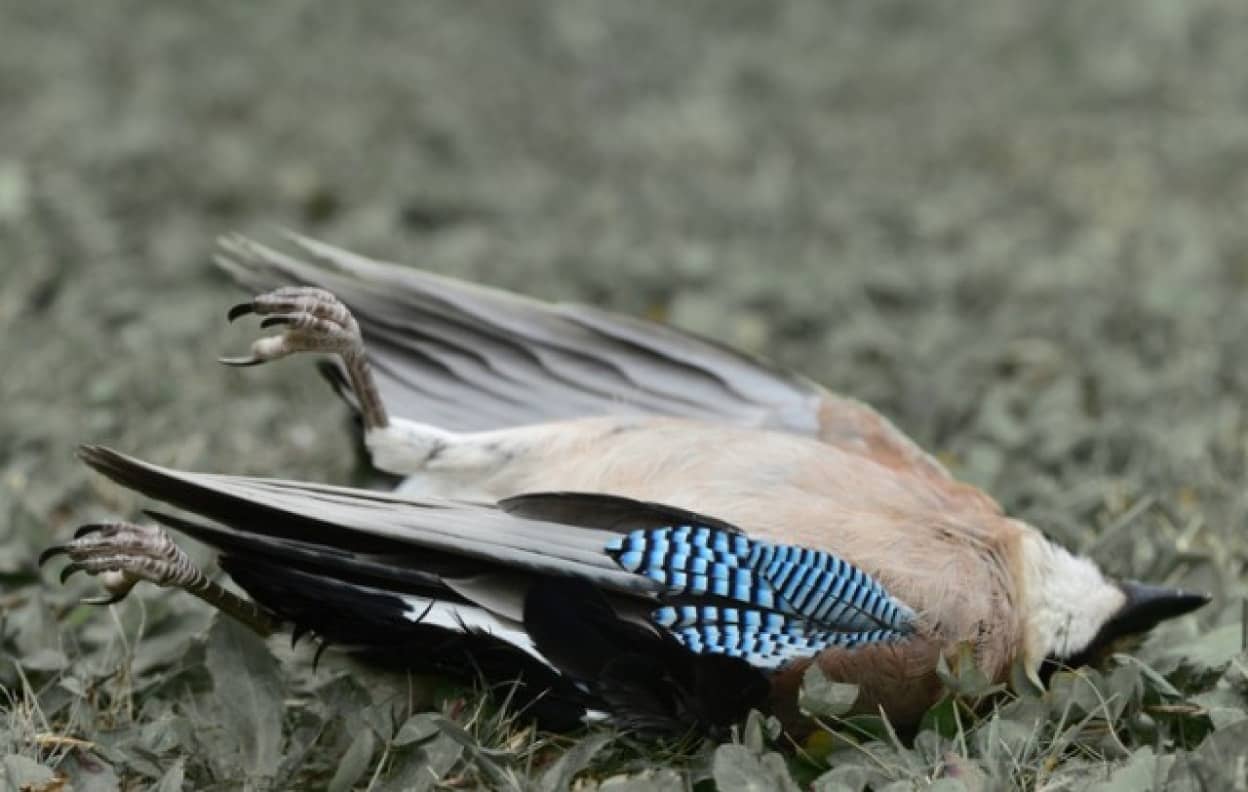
x=796, y=601
x=764, y=639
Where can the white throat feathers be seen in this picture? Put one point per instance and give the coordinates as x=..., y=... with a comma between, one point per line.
x=1066, y=601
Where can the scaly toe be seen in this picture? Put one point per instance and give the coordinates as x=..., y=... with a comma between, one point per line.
x=303, y=300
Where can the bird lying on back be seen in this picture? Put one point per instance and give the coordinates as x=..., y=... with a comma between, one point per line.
x=620, y=519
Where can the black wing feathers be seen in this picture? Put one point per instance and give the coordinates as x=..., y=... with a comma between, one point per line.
x=369, y=624
x=375, y=574
x=645, y=679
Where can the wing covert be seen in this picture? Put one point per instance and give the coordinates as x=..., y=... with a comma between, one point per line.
x=768, y=603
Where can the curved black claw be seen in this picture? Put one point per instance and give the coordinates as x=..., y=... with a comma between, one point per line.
x=111, y=599
x=277, y=320
x=69, y=570
x=320, y=650
x=89, y=528
x=240, y=362
x=52, y=552
x=242, y=309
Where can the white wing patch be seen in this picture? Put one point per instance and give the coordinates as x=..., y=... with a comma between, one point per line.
x=462, y=618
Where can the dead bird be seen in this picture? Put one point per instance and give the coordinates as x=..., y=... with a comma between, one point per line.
x=624, y=520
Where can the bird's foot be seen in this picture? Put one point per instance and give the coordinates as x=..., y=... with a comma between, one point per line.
x=315, y=319
x=123, y=554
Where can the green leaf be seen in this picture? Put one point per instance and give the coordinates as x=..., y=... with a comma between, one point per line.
x=248, y=686
x=760, y=730
x=1139, y=773
x=355, y=762
x=941, y=718
x=775, y=764
x=964, y=677
x=162, y=735
x=417, y=769
x=409, y=773
x=664, y=780
x=35, y=626
x=931, y=748
x=1023, y=683
x=1123, y=687
x=844, y=778
x=379, y=716
x=736, y=769
x=820, y=697
x=864, y=727
x=441, y=753
x=1200, y=661
x=899, y=786
x=21, y=771
x=173, y=778
x=1217, y=764
x=1225, y=706
x=559, y=777
x=1005, y=736
x=46, y=660
x=498, y=775
x=1153, y=678
x=170, y=643
x=344, y=698
x=1076, y=693
x=418, y=728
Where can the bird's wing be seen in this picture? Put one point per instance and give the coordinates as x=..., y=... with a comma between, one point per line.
x=271, y=515
x=467, y=358
x=697, y=580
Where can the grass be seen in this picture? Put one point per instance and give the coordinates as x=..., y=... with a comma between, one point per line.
x=158, y=692
x=1018, y=232
x=1163, y=717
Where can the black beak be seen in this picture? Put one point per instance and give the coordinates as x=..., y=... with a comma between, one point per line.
x=1145, y=608
x=1148, y=605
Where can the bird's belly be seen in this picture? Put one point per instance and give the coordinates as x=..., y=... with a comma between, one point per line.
x=904, y=530
x=732, y=473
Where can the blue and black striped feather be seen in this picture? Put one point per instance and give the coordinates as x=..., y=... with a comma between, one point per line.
x=767, y=603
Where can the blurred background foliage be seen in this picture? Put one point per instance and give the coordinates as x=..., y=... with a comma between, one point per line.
x=1016, y=228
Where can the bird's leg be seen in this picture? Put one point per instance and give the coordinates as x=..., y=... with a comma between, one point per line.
x=316, y=321
x=123, y=554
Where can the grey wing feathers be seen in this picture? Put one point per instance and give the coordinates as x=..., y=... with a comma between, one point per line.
x=469, y=358
x=336, y=515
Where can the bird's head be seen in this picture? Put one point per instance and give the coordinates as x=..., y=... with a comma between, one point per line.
x=1073, y=614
